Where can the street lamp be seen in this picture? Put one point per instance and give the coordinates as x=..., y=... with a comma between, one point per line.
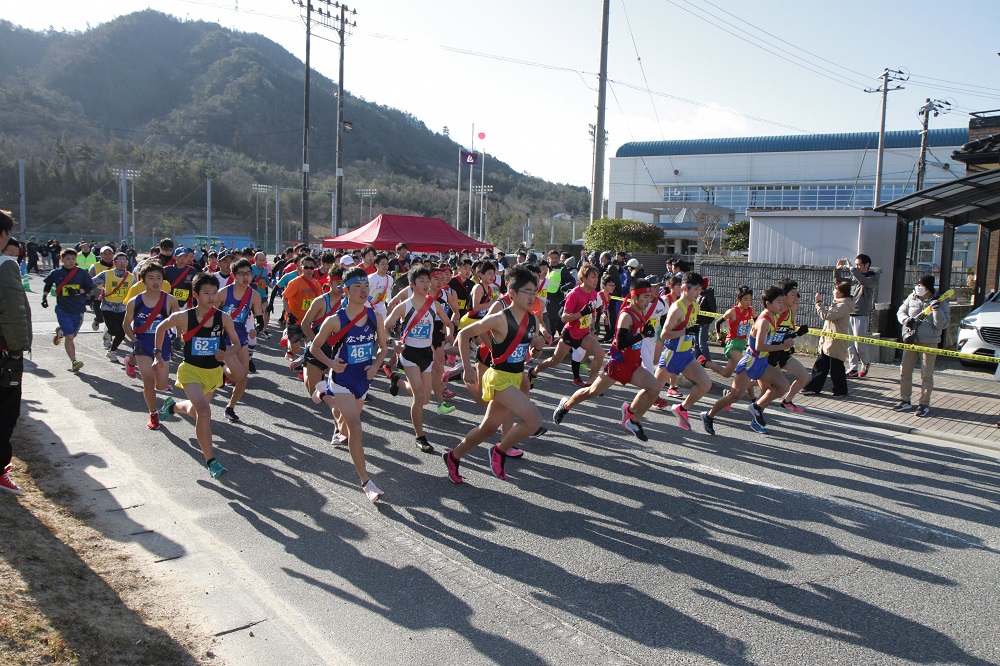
x=258, y=189
x=482, y=190
x=127, y=175
x=370, y=193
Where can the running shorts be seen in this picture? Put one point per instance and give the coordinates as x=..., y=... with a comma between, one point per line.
x=294, y=333
x=675, y=362
x=418, y=357
x=353, y=380
x=753, y=366
x=622, y=372
x=570, y=340
x=209, y=379
x=779, y=358
x=495, y=381
x=145, y=342
x=69, y=322
x=738, y=345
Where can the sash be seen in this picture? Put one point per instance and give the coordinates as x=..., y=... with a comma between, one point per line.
x=66, y=280
x=417, y=317
x=194, y=331
x=515, y=343
x=152, y=315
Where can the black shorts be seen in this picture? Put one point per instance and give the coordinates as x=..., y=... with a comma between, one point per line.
x=312, y=360
x=568, y=339
x=421, y=357
x=437, y=336
x=294, y=333
x=779, y=358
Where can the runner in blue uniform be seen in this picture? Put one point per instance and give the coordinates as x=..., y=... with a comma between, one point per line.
x=239, y=300
x=73, y=285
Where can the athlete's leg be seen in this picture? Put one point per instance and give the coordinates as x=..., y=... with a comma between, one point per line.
x=600, y=385
x=349, y=424
x=437, y=375
x=649, y=388
x=198, y=406
x=242, y=356
x=70, y=341
x=529, y=419
x=421, y=394
x=701, y=382
x=311, y=376
x=594, y=348
x=777, y=386
x=801, y=375
x=145, y=366
x=740, y=383
x=496, y=413
x=557, y=357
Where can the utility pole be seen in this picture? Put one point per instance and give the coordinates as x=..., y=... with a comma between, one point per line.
x=597, y=198
x=20, y=169
x=307, y=8
x=342, y=25
x=935, y=106
x=208, y=209
x=888, y=75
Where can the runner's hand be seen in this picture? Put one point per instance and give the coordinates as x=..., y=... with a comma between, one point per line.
x=469, y=376
x=788, y=344
x=370, y=372
x=587, y=309
x=692, y=330
x=802, y=330
x=339, y=365
x=648, y=331
x=45, y=302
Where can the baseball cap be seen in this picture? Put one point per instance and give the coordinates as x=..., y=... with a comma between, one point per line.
x=108, y=248
x=632, y=263
x=347, y=260
x=181, y=250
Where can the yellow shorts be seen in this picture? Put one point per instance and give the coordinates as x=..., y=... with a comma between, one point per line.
x=210, y=380
x=495, y=381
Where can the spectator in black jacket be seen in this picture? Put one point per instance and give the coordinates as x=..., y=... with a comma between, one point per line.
x=706, y=303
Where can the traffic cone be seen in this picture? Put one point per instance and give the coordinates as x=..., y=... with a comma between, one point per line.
x=24, y=277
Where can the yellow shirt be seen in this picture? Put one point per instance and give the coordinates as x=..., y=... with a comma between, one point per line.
x=140, y=287
x=111, y=283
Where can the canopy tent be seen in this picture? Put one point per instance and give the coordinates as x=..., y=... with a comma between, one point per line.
x=421, y=234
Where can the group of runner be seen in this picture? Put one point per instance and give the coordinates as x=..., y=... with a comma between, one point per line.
x=345, y=322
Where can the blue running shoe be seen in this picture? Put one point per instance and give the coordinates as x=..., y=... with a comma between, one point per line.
x=215, y=468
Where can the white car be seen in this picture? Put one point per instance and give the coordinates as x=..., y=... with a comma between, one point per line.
x=979, y=332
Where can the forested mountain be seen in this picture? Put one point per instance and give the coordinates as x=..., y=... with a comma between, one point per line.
x=184, y=101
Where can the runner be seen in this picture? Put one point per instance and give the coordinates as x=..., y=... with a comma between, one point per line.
x=348, y=352
x=652, y=347
x=581, y=303
x=785, y=325
x=296, y=297
x=510, y=333
x=238, y=301
x=739, y=320
x=414, y=347
x=318, y=311
x=114, y=285
x=72, y=286
x=483, y=293
x=625, y=365
x=679, y=333
x=105, y=262
x=200, y=374
x=754, y=367
x=143, y=315
x=368, y=255
x=462, y=285
x=180, y=276
x=440, y=342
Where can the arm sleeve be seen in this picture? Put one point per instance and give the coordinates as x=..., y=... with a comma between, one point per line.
x=625, y=339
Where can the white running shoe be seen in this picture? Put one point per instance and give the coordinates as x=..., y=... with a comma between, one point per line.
x=372, y=491
x=317, y=395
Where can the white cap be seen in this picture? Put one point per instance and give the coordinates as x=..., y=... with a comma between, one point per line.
x=108, y=248
x=632, y=263
x=347, y=260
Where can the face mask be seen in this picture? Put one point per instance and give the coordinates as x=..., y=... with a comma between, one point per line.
x=920, y=290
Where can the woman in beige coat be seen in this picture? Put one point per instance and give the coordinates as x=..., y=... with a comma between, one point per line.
x=832, y=353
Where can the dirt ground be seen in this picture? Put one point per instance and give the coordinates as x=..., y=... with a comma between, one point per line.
x=71, y=596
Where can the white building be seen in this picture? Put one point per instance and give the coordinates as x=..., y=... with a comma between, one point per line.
x=668, y=182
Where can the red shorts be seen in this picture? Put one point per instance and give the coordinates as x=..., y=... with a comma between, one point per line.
x=622, y=371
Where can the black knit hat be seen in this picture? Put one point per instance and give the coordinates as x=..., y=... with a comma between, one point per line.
x=927, y=281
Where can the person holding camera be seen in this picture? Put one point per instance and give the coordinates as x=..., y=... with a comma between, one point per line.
x=832, y=352
x=924, y=318
x=864, y=285
x=15, y=339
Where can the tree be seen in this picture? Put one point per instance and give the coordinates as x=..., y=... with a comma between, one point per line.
x=619, y=234
x=736, y=238
x=709, y=228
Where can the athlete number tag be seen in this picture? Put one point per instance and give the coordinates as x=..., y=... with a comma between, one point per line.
x=585, y=321
x=519, y=354
x=181, y=295
x=743, y=329
x=360, y=353
x=421, y=332
x=306, y=302
x=204, y=346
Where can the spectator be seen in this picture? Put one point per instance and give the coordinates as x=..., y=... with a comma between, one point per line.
x=864, y=284
x=832, y=353
x=32, y=252
x=927, y=329
x=55, y=250
x=706, y=303
x=558, y=284
x=15, y=339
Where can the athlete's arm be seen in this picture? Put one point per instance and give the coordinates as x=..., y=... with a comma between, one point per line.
x=494, y=323
x=439, y=310
x=330, y=326
x=127, y=322
x=310, y=316
x=675, y=317
x=178, y=320
x=220, y=298
x=383, y=347
x=230, y=328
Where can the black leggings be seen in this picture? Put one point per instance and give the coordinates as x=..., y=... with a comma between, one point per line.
x=114, y=322
x=10, y=409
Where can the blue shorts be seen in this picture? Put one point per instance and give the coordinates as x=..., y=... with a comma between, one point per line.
x=241, y=333
x=146, y=342
x=69, y=322
x=675, y=362
x=354, y=380
x=753, y=366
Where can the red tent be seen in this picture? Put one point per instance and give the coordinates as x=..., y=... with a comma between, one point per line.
x=421, y=234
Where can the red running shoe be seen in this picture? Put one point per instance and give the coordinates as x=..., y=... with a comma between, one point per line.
x=130, y=368
x=283, y=343
x=581, y=383
x=660, y=403
x=497, y=461
x=448, y=394
x=452, y=466
x=154, y=421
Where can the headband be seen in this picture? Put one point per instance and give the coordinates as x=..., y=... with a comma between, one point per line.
x=692, y=285
x=640, y=291
x=354, y=280
x=436, y=271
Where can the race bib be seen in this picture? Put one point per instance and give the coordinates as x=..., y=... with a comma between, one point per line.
x=360, y=353
x=71, y=290
x=585, y=321
x=261, y=284
x=743, y=329
x=306, y=303
x=519, y=354
x=421, y=332
x=462, y=303
x=182, y=295
x=204, y=346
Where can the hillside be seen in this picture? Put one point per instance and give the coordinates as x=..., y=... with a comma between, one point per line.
x=184, y=101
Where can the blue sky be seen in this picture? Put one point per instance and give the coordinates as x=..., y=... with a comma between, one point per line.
x=525, y=72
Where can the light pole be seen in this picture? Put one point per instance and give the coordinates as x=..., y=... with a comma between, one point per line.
x=128, y=175
x=258, y=189
x=369, y=193
x=482, y=191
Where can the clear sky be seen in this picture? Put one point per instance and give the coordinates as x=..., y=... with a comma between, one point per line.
x=525, y=72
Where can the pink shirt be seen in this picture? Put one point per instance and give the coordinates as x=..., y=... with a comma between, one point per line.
x=575, y=302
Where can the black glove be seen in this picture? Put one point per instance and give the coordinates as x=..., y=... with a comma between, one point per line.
x=587, y=309
x=269, y=309
x=45, y=301
x=936, y=305
x=566, y=288
x=648, y=331
x=290, y=318
x=692, y=330
x=912, y=323
x=801, y=330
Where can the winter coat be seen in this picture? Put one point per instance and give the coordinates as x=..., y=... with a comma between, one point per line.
x=930, y=329
x=836, y=319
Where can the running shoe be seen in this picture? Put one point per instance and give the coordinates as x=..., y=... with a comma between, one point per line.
x=387, y=370
x=702, y=361
x=660, y=403
x=372, y=491
x=580, y=383
x=922, y=411
x=515, y=452
x=58, y=336
x=168, y=388
x=226, y=381
x=423, y=444
x=757, y=413
x=863, y=372
x=283, y=343
x=451, y=374
x=452, y=464
x=789, y=405
x=338, y=438
x=231, y=415
x=538, y=433
x=95, y=325
x=448, y=394
x=756, y=427
x=76, y=366
x=498, y=459
x=113, y=357
x=130, y=368
x=296, y=364
x=585, y=368
x=726, y=392
x=682, y=416
x=317, y=395
x=630, y=425
x=7, y=485
x=445, y=408
x=107, y=340
x=532, y=376
x=708, y=422
x=560, y=412
x=215, y=468
x=394, y=384
x=252, y=368
x=903, y=406
x=674, y=393
x=852, y=373
x=154, y=421
x=166, y=410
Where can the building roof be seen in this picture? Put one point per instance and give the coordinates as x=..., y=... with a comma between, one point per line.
x=986, y=149
x=974, y=199
x=955, y=136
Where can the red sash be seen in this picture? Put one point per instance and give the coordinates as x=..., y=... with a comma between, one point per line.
x=152, y=315
x=339, y=335
x=180, y=280
x=418, y=316
x=194, y=331
x=515, y=342
x=243, y=303
x=119, y=285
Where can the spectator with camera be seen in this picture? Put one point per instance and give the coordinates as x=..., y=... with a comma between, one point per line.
x=924, y=319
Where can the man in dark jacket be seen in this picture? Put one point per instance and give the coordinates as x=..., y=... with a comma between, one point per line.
x=15, y=339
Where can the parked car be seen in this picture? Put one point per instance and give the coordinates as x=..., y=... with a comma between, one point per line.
x=979, y=332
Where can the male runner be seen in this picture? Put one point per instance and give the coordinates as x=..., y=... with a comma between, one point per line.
x=296, y=298
x=783, y=360
x=239, y=300
x=72, y=284
x=580, y=306
x=202, y=328
x=114, y=285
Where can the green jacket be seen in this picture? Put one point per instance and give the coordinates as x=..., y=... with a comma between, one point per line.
x=15, y=313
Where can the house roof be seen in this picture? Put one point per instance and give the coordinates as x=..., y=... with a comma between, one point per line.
x=974, y=199
x=937, y=138
x=985, y=149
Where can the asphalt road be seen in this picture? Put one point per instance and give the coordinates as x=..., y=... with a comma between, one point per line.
x=821, y=543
